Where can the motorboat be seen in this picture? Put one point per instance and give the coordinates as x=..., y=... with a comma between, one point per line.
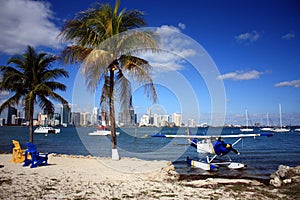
x=102, y=131
x=46, y=130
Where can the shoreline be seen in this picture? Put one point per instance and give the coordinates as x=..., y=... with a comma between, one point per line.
x=181, y=176
x=87, y=177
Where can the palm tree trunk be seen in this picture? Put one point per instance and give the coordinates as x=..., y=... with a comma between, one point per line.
x=31, y=110
x=112, y=111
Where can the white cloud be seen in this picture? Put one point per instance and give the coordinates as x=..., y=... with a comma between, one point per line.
x=248, y=37
x=294, y=83
x=288, y=36
x=240, y=75
x=181, y=25
x=174, y=48
x=26, y=22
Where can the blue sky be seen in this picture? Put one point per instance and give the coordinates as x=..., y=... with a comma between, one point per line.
x=255, y=46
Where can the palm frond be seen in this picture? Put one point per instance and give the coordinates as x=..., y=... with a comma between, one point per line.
x=123, y=89
x=54, y=74
x=135, y=42
x=105, y=94
x=132, y=19
x=44, y=61
x=51, y=85
x=139, y=69
x=95, y=67
x=46, y=105
x=74, y=54
x=12, y=79
x=13, y=100
x=17, y=60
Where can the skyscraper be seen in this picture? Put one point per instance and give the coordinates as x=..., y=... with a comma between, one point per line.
x=75, y=118
x=95, y=116
x=11, y=111
x=65, y=114
x=127, y=118
x=176, y=118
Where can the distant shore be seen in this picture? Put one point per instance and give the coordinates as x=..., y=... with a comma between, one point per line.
x=87, y=177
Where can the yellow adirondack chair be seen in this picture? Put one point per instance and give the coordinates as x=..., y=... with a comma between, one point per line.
x=17, y=153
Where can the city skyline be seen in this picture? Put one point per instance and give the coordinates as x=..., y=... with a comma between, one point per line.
x=94, y=117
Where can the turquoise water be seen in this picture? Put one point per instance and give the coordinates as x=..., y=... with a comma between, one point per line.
x=262, y=155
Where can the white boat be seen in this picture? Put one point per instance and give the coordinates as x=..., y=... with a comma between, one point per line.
x=268, y=128
x=102, y=131
x=47, y=129
x=281, y=129
x=247, y=129
x=297, y=129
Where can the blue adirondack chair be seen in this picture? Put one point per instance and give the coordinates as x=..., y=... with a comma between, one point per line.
x=37, y=158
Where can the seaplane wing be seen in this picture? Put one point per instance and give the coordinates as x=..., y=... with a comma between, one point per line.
x=213, y=136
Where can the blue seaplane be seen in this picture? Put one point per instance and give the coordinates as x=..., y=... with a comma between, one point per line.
x=212, y=147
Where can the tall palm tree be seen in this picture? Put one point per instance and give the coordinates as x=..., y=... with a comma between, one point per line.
x=32, y=81
x=107, y=55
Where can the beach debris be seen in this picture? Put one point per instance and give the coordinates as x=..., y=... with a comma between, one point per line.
x=285, y=175
x=169, y=174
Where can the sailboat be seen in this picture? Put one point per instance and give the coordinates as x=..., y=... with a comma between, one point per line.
x=246, y=129
x=268, y=128
x=281, y=129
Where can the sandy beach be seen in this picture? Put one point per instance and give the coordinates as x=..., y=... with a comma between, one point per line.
x=79, y=177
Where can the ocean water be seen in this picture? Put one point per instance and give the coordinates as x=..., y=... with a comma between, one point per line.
x=262, y=155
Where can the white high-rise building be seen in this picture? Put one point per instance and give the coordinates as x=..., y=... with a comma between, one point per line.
x=191, y=123
x=84, y=119
x=96, y=111
x=95, y=116
x=156, y=120
x=144, y=120
x=176, y=119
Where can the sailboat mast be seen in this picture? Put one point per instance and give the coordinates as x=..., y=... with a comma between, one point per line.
x=246, y=118
x=280, y=120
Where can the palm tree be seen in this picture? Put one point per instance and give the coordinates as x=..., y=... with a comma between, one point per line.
x=32, y=81
x=107, y=55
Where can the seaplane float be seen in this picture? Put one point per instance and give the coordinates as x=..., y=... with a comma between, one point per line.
x=212, y=147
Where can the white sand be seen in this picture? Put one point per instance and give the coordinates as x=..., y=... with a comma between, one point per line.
x=73, y=177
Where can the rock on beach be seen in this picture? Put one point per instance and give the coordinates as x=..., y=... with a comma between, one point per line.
x=285, y=175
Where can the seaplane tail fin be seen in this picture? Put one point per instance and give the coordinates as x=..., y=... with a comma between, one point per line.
x=193, y=143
